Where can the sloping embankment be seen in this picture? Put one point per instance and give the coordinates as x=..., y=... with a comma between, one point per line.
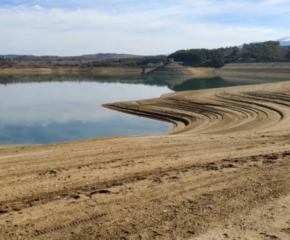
x=222, y=173
x=262, y=70
x=171, y=69
x=105, y=71
x=216, y=110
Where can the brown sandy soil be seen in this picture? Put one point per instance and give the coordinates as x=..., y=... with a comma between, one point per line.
x=97, y=70
x=222, y=173
x=257, y=70
x=171, y=69
x=203, y=72
x=177, y=70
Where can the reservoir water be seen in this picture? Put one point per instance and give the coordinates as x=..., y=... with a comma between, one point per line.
x=51, y=108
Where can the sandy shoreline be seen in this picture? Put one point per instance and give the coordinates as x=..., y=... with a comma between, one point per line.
x=223, y=172
x=257, y=70
x=93, y=70
x=280, y=70
x=105, y=71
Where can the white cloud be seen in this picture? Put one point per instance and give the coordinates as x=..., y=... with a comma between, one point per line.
x=164, y=29
x=274, y=2
x=37, y=7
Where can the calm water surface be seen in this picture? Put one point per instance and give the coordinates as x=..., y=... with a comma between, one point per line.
x=49, y=109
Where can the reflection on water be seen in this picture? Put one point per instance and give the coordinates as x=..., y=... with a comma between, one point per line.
x=217, y=82
x=61, y=111
x=53, y=108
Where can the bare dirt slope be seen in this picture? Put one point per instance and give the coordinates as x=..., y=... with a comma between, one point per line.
x=222, y=173
x=103, y=71
x=171, y=69
x=274, y=70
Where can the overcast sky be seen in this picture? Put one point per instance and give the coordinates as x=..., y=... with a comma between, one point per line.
x=146, y=27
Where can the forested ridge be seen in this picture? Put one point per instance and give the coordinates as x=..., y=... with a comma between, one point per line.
x=44, y=62
x=257, y=52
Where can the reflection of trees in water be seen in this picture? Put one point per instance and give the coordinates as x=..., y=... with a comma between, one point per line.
x=175, y=83
x=33, y=78
x=124, y=79
x=219, y=82
x=205, y=83
x=22, y=78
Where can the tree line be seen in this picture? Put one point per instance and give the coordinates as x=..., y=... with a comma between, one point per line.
x=138, y=62
x=257, y=52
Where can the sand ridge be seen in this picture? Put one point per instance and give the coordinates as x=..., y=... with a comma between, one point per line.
x=221, y=173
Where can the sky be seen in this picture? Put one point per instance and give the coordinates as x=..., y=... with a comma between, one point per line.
x=151, y=27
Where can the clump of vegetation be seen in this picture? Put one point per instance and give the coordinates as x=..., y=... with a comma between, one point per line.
x=266, y=51
x=257, y=52
x=202, y=57
x=42, y=62
x=288, y=54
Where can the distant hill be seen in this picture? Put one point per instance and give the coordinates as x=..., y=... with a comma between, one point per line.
x=98, y=56
x=10, y=56
x=85, y=61
x=102, y=56
x=270, y=51
x=284, y=41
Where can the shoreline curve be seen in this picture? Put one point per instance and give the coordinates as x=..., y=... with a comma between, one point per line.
x=220, y=173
